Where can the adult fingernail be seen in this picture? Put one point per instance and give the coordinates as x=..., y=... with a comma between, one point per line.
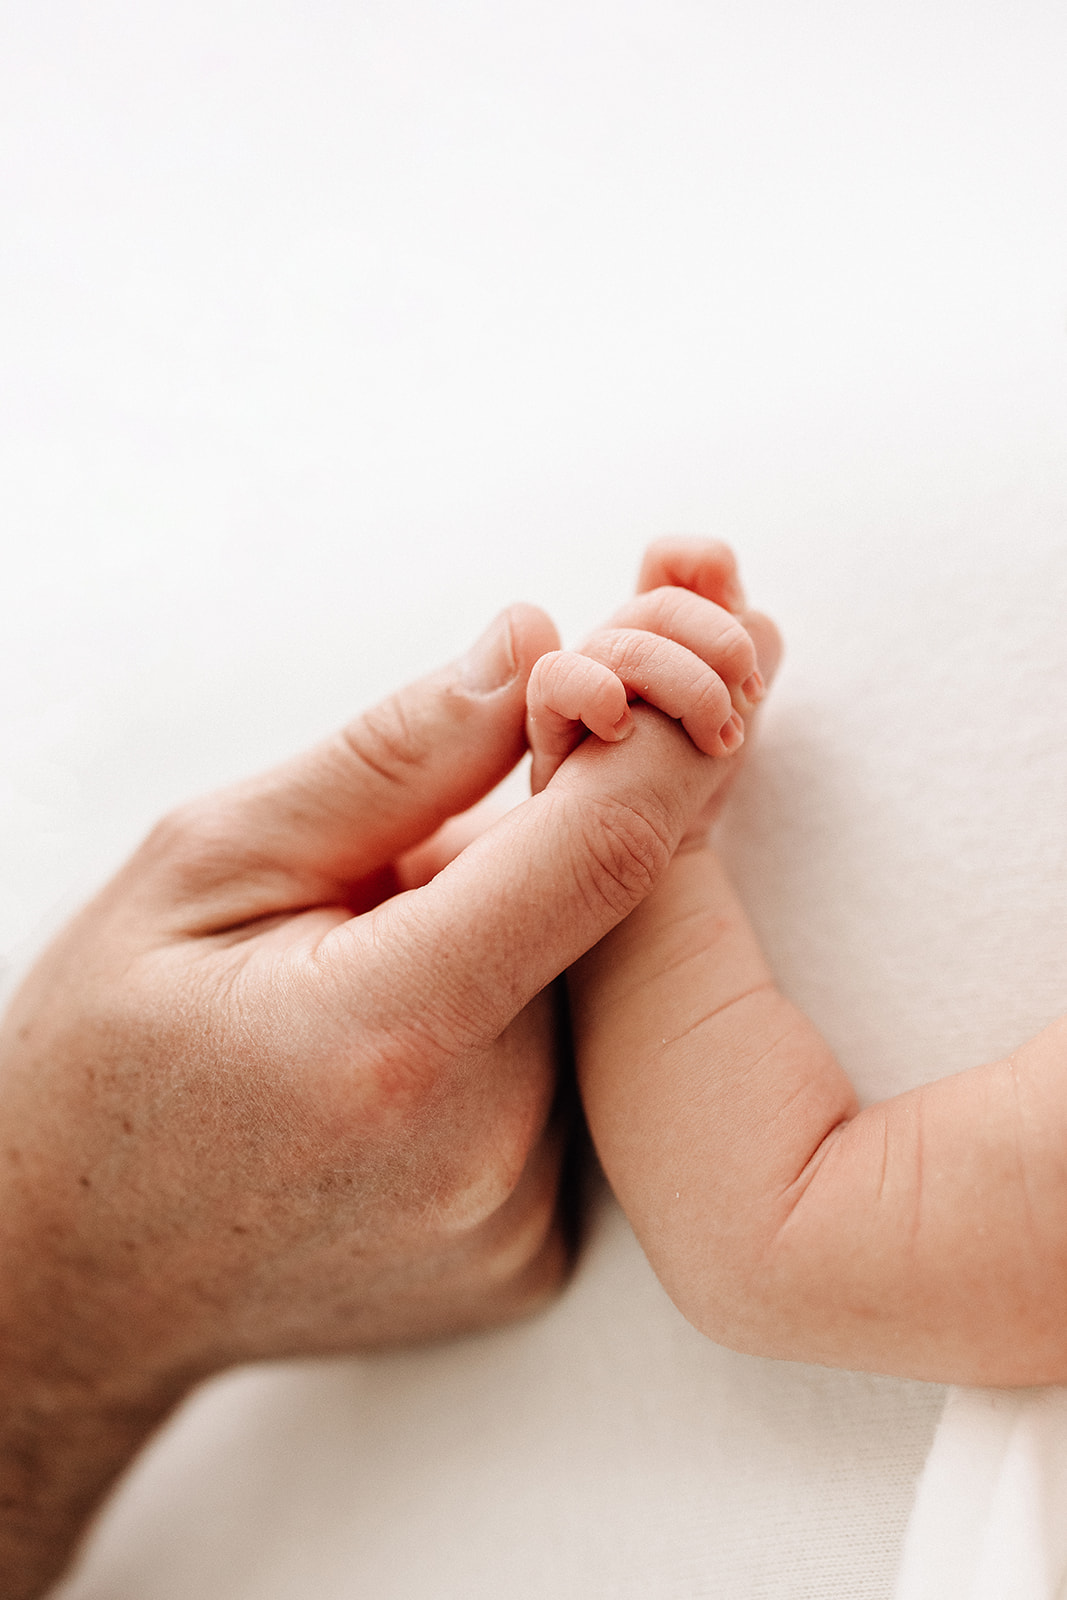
x=490, y=663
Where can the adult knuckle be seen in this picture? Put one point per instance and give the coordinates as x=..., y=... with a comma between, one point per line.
x=623, y=851
x=397, y=1084
x=405, y=1086
x=387, y=741
x=193, y=844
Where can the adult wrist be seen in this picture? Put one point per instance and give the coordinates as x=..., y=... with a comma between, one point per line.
x=80, y=1390
x=62, y=1447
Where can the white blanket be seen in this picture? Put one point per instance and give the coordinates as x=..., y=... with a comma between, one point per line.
x=990, y=1519
x=327, y=329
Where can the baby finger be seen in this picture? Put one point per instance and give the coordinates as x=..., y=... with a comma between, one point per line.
x=566, y=691
x=675, y=680
x=703, y=627
x=706, y=566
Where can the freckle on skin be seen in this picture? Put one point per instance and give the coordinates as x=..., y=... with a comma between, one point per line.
x=84, y=1181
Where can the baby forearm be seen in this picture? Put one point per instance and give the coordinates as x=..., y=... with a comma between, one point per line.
x=920, y=1237
x=706, y=1092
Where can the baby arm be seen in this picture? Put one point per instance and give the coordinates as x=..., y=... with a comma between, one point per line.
x=925, y=1237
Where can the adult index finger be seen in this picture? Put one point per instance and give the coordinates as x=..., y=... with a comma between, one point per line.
x=447, y=966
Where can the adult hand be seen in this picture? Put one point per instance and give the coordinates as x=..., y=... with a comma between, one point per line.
x=262, y=1097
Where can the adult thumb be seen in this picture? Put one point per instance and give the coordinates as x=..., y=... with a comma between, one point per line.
x=335, y=815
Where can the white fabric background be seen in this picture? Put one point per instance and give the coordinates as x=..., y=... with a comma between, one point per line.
x=990, y=1520
x=325, y=331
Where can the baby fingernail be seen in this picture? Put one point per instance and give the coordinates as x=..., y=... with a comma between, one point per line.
x=625, y=725
x=732, y=732
x=754, y=688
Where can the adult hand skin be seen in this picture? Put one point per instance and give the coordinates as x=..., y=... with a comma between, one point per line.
x=285, y=1087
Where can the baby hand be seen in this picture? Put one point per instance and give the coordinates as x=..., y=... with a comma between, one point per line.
x=678, y=645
